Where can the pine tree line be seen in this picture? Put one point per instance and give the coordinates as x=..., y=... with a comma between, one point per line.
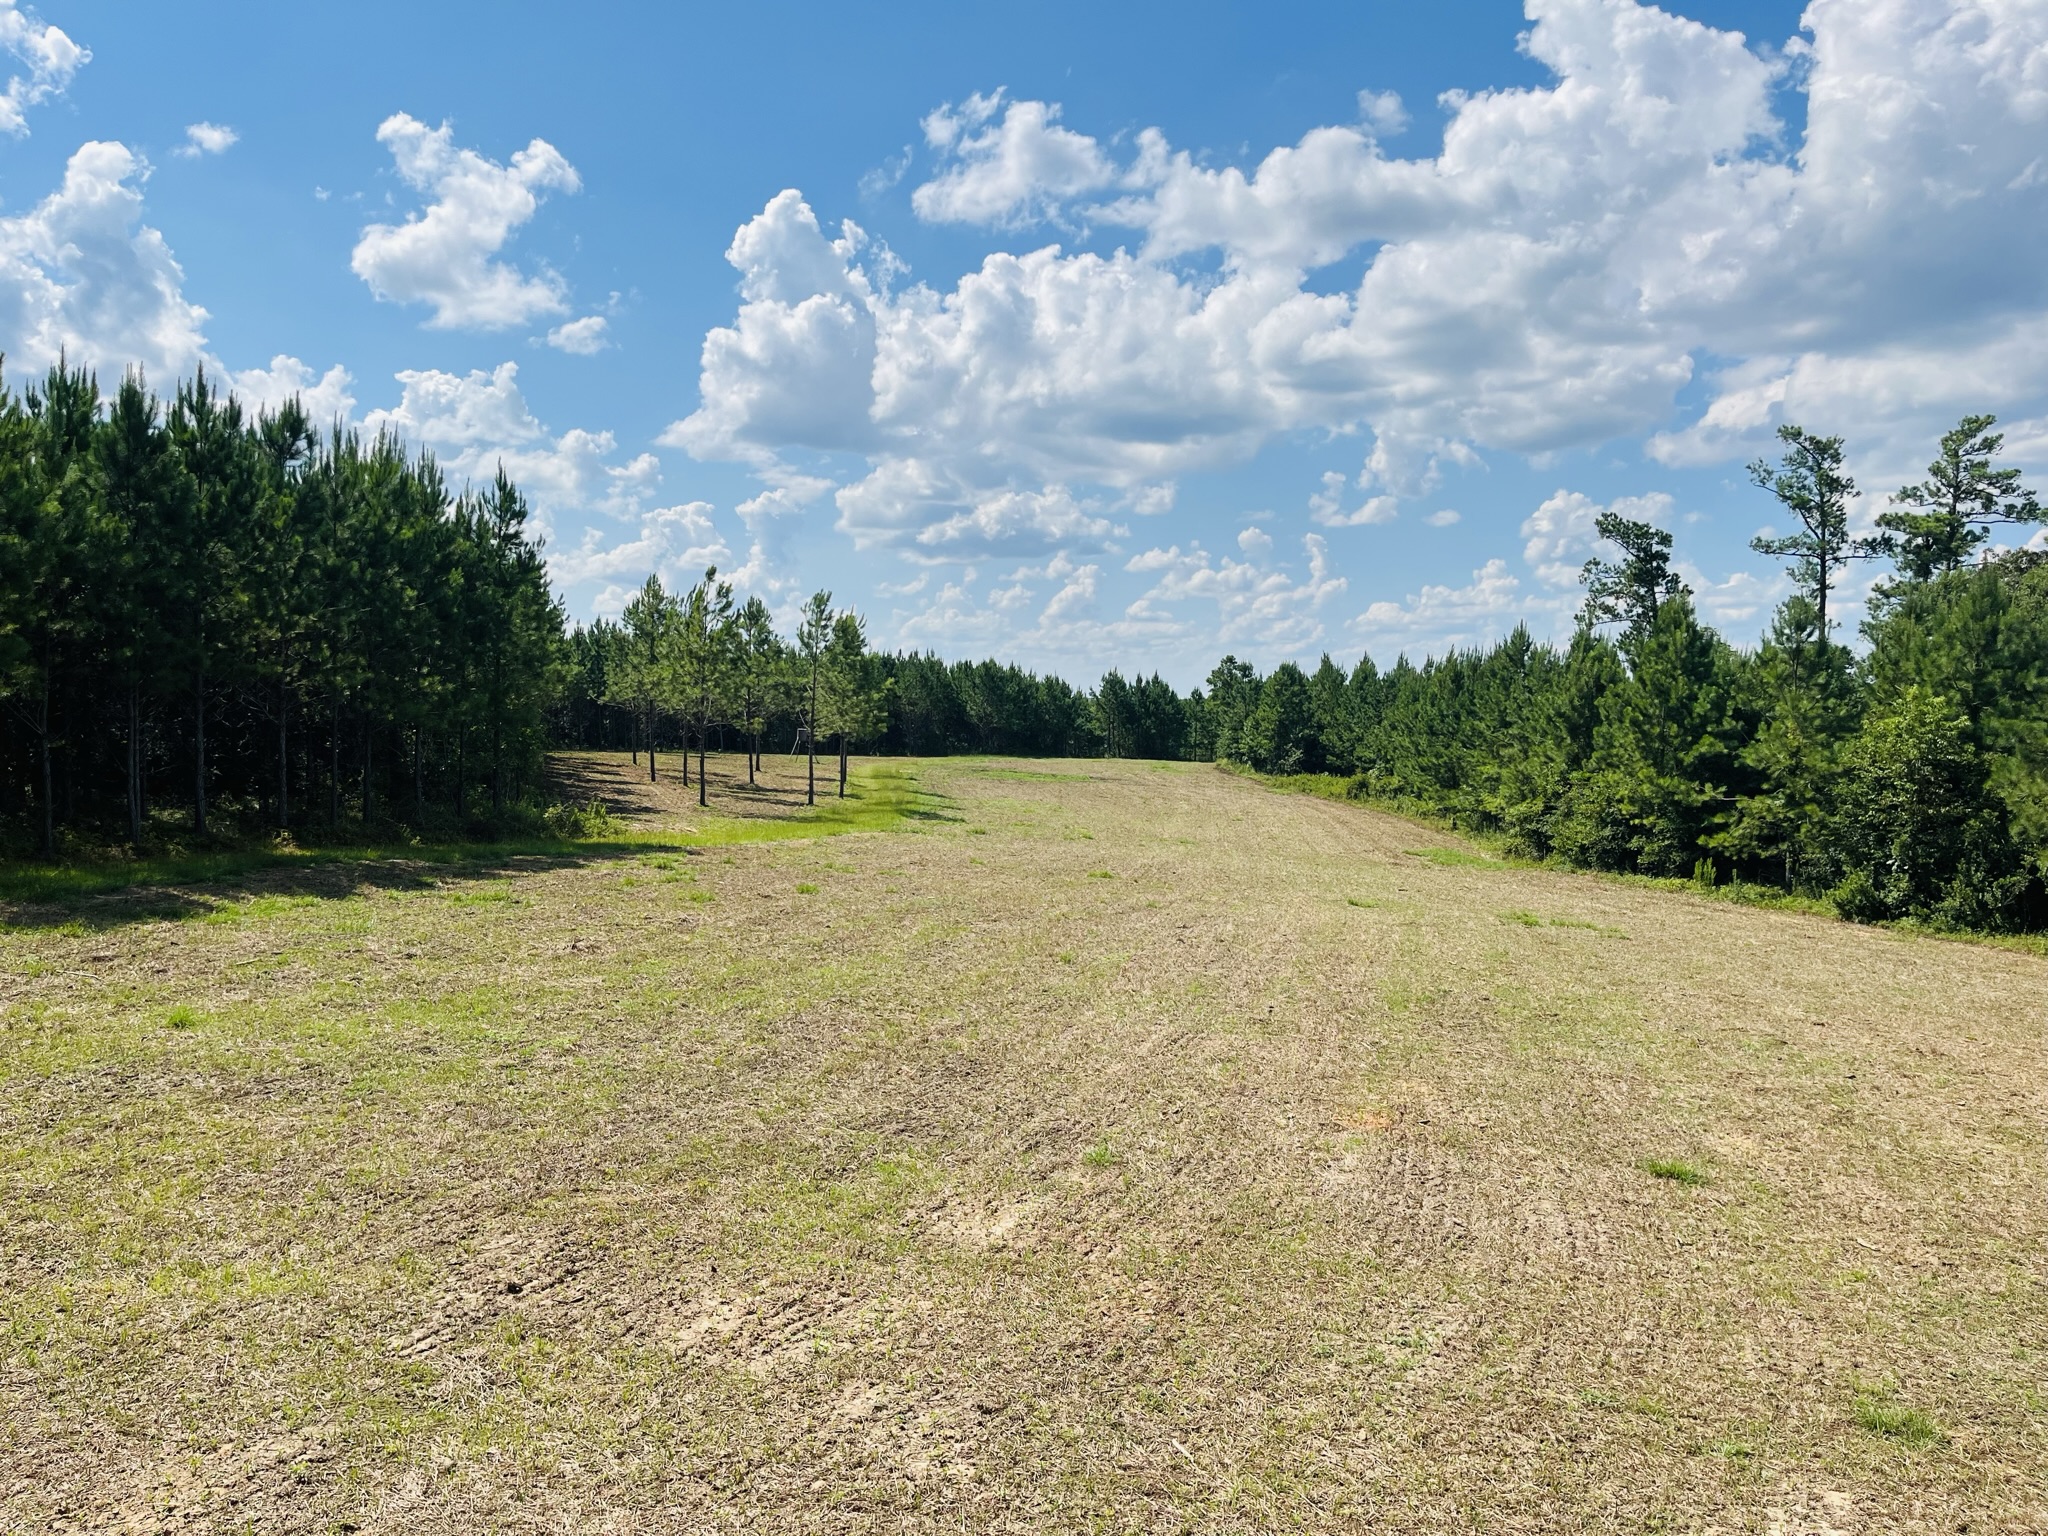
x=208, y=614
x=1911, y=781
x=891, y=704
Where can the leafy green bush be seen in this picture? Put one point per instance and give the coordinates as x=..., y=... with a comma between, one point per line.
x=580, y=822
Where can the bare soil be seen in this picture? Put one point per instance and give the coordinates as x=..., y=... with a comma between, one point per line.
x=1103, y=1146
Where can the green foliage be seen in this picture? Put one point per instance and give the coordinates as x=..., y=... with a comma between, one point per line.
x=226, y=609
x=590, y=821
x=1935, y=527
x=1676, y=1172
x=1811, y=484
x=1629, y=591
x=1894, y=1421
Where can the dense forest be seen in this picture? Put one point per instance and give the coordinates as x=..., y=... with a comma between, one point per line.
x=216, y=624
x=254, y=624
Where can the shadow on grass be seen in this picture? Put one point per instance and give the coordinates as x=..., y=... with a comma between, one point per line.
x=111, y=892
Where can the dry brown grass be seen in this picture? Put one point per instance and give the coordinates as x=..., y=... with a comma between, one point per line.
x=1114, y=1147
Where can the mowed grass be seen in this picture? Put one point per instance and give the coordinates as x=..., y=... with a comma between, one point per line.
x=720, y=1175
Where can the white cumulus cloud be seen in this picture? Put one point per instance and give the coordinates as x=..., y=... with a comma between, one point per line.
x=585, y=337
x=50, y=55
x=477, y=422
x=207, y=139
x=81, y=274
x=1576, y=255
x=327, y=398
x=445, y=255
x=1009, y=172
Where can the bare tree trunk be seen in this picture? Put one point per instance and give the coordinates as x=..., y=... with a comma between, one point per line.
x=811, y=741
x=701, y=733
x=650, y=742
x=842, y=765
x=284, y=760
x=49, y=807
x=334, y=758
x=134, y=766
x=199, y=753
x=753, y=757
x=497, y=770
x=419, y=773
x=49, y=803
x=369, y=770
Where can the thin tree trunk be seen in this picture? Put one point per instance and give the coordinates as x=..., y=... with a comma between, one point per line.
x=650, y=742
x=199, y=749
x=461, y=773
x=497, y=770
x=134, y=767
x=701, y=733
x=284, y=760
x=753, y=757
x=419, y=773
x=49, y=804
x=842, y=765
x=811, y=742
x=369, y=771
x=334, y=758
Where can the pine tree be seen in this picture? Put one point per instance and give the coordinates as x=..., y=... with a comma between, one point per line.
x=1935, y=526
x=1629, y=591
x=813, y=636
x=1811, y=484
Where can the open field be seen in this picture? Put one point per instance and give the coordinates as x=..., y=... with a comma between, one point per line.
x=1077, y=1146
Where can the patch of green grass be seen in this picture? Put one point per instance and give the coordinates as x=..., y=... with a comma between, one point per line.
x=1537, y=920
x=484, y=895
x=1895, y=1421
x=1099, y=1155
x=1675, y=1171
x=1353, y=901
x=1021, y=773
x=1456, y=858
x=805, y=888
x=180, y=1017
x=1066, y=957
x=1101, y=874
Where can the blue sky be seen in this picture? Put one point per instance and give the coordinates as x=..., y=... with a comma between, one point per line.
x=1163, y=330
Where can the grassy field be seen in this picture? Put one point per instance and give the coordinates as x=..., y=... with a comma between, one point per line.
x=1060, y=1146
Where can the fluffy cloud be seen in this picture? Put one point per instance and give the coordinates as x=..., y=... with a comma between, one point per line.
x=476, y=423
x=444, y=256
x=919, y=508
x=207, y=139
x=1573, y=258
x=797, y=366
x=327, y=399
x=1008, y=173
x=1559, y=536
x=676, y=543
x=52, y=59
x=1327, y=505
x=80, y=273
x=1258, y=604
x=585, y=337
x=1439, y=617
